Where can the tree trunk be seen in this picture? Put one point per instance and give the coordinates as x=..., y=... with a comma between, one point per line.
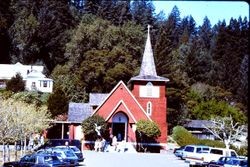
x=15, y=151
x=25, y=140
x=227, y=143
x=3, y=152
x=8, y=152
x=21, y=148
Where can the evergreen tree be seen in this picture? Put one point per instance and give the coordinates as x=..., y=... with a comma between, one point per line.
x=187, y=29
x=231, y=47
x=118, y=12
x=199, y=61
x=91, y=6
x=6, y=19
x=242, y=91
x=205, y=34
x=143, y=12
x=16, y=84
x=168, y=38
x=40, y=31
x=57, y=103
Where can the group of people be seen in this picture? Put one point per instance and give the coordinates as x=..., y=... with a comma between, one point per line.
x=101, y=144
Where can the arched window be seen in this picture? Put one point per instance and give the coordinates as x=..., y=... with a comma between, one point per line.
x=149, y=89
x=149, y=108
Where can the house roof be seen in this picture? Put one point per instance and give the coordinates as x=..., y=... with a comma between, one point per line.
x=148, y=70
x=198, y=123
x=78, y=112
x=97, y=98
x=9, y=70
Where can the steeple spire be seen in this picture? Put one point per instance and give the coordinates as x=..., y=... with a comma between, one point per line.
x=148, y=70
x=148, y=64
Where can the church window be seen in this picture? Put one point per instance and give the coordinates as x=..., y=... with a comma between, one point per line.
x=149, y=108
x=149, y=89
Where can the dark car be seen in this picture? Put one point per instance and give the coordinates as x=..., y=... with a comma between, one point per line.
x=37, y=160
x=59, y=142
x=64, y=154
x=229, y=161
x=76, y=150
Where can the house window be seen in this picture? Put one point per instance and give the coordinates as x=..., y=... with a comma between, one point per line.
x=45, y=84
x=149, y=108
x=149, y=89
x=33, y=86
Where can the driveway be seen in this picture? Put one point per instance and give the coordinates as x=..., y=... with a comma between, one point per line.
x=115, y=159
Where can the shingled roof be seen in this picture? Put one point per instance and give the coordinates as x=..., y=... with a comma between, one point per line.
x=78, y=112
x=198, y=123
x=97, y=98
x=148, y=70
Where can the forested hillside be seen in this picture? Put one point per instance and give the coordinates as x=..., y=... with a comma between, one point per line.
x=90, y=45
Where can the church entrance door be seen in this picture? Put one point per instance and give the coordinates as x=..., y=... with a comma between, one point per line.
x=119, y=126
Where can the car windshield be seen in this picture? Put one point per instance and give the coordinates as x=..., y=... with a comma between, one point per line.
x=69, y=153
x=75, y=149
x=235, y=162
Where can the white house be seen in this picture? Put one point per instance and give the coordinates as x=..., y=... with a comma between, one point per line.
x=33, y=76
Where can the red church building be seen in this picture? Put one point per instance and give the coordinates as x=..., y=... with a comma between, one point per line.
x=123, y=108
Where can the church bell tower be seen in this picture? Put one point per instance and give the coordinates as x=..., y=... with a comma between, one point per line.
x=150, y=90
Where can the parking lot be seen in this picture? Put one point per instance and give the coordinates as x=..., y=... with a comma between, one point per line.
x=106, y=159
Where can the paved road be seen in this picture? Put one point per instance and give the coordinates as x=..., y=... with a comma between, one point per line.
x=100, y=159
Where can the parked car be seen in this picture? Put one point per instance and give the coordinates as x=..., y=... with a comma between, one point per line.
x=66, y=155
x=203, y=158
x=229, y=162
x=76, y=150
x=192, y=150
x=37, y=160
x=178, y=152
x=59, y=142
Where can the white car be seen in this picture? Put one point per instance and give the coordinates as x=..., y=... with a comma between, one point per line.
x=192, y=150
x=214, y=154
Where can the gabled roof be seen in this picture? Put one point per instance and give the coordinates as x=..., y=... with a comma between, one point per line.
x=120, y=105
x=121, y=97
x=97, y=98
x=198, y=123
x=148, y=70
x=78, y=112
x=9, y=70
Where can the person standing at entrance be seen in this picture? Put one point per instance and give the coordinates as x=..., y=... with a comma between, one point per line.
x=114, y=142
x=119, y=137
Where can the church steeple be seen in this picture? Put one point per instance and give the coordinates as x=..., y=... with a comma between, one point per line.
x=148, y=64
x=148, y=70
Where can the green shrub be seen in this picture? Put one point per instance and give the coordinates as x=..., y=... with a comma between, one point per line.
x=183, y=137
x=89, y=125
x=243, y=151
x=6, y=94
x=16, y=83
x=211, y=143
x=148, y=128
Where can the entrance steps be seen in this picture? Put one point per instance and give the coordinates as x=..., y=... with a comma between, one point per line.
x=122, y=147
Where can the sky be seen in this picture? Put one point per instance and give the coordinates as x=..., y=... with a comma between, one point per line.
x=214, y=10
